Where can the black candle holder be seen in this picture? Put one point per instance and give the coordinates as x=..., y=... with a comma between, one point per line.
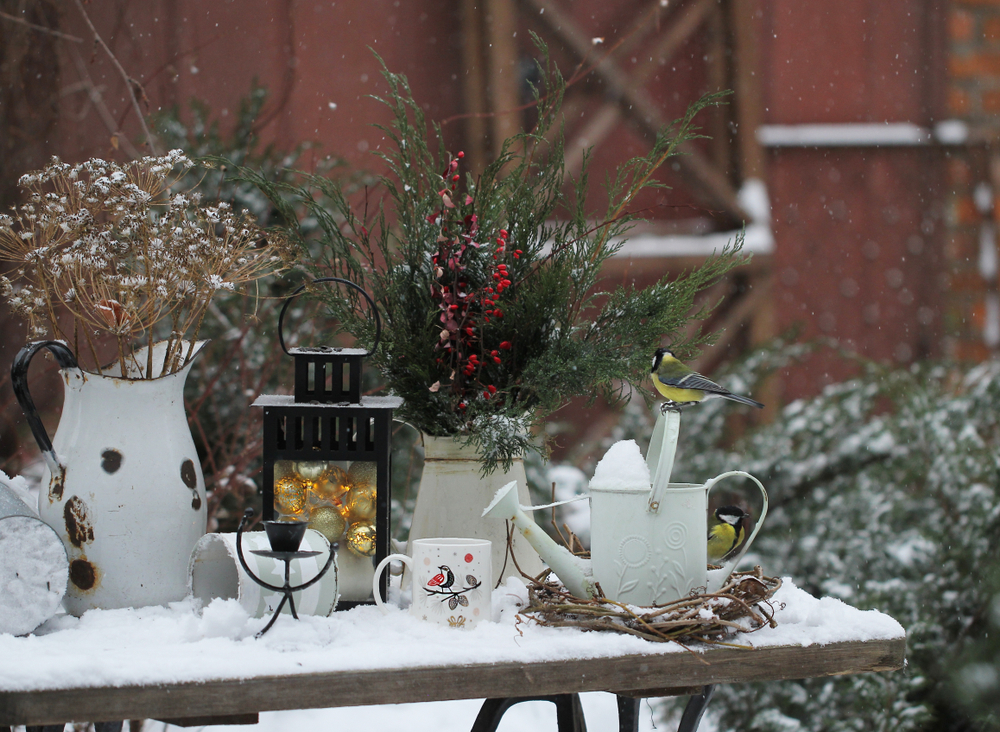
x=285, y=537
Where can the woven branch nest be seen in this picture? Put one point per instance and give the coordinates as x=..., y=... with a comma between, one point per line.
x=742, y=605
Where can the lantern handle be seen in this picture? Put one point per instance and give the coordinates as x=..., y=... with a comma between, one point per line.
x=300, y=288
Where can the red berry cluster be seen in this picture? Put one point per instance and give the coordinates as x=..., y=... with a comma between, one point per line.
x=500, y=277
x=464, y=307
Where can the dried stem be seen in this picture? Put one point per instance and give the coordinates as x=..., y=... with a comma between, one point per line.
x=40, y=28
x=97, y=99
x=129, y=82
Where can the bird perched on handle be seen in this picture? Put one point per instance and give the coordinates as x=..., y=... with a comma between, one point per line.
x=682, y=386
x=725, y=536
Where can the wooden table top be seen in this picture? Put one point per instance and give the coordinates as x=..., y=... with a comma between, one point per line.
x=641, y=675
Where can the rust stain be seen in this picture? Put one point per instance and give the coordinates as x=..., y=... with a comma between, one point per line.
x=78, y=526
x=188, y=474
x=111, y=460
x=83, y=574
x=56, y=485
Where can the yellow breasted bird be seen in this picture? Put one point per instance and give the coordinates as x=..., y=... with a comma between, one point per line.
x=681, y=386
x=725, y=536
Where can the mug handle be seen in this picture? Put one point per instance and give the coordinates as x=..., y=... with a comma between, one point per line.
x=405, y=559
x=729, y=566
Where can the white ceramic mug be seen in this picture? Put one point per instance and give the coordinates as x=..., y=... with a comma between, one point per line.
x=452, y=580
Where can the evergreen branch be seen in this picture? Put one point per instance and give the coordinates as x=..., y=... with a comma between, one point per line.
x=493, y=311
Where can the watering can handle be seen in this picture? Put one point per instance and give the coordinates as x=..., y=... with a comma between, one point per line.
x=731, y=564
x=660, y=457
x=19, y=381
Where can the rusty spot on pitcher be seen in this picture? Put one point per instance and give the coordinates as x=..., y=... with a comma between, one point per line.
x=57, y=484
x=111, y=460
x=78, y=526
x=83, y=574
x=188, y=474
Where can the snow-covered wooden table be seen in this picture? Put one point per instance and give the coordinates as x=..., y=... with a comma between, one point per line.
x=174, y=663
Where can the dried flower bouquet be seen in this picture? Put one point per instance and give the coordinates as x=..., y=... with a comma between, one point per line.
x=107, y=250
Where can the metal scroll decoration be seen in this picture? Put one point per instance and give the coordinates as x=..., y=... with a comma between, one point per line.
x=285, y=538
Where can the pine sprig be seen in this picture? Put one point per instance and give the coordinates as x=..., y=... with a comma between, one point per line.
x=494, y=314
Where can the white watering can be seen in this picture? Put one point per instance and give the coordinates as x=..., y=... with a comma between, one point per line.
x=649, y=541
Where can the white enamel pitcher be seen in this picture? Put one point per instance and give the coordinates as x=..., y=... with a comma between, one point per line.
x=123, y=486
x=649, y=543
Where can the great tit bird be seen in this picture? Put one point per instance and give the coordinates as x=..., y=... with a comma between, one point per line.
x=682, y=387
x=725, y=536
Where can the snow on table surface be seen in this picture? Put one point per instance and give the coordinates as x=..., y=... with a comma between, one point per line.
x=160, y=645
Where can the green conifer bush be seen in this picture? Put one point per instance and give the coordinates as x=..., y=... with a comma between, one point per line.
x=493, y=310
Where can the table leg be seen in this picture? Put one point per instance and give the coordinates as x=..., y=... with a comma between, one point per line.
x=98, y=727
x=695, y=709
x=628, y=713
x=569, y=712
x=108, y=726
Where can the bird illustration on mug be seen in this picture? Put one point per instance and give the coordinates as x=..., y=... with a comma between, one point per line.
x=443, y=584
x=443, y=579
x=681, y=386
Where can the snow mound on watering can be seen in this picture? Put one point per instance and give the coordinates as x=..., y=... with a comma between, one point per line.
x=622, y=468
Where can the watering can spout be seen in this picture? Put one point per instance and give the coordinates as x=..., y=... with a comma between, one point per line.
x=569, y=569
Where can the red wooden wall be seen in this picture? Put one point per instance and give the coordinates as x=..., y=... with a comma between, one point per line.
x=858, y=230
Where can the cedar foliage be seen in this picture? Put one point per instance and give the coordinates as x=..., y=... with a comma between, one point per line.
x=493, y=311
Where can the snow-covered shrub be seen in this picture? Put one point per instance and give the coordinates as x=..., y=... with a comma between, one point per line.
x=883, y=493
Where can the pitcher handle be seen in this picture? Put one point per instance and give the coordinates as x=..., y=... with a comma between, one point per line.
x=729, y=566
x=19, y=381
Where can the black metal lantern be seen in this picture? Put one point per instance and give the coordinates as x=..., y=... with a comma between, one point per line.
x=327, y=456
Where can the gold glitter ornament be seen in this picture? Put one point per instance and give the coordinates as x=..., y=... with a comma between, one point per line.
x=361, y=538
x=328, y=521
x=331, y=487
x=283, y=469
x=363, y=473
x=361, y=502
x=290, y=495
x=312, y=471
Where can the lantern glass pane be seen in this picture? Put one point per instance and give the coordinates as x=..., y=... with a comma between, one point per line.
x=338, y=499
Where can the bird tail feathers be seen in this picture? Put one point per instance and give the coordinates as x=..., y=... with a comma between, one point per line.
x=743, y=400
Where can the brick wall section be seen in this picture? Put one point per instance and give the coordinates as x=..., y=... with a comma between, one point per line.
x=974, y=97
x=974, y=60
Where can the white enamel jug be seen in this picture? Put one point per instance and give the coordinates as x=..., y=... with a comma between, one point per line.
x=123, y=486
